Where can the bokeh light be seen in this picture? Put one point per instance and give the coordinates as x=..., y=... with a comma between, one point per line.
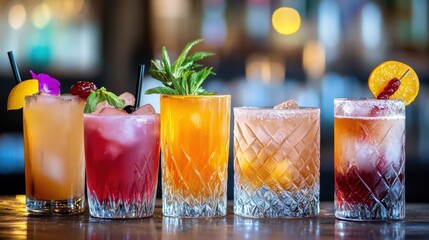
x=65, y=9
x=17, y=16
x=41, y=15
x=286, y=20
x=313, y=59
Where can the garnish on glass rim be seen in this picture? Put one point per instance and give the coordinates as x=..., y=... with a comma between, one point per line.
x=394, y=80
x=181, y=77
x=40, y=83
x=101, y=95
x=47, y=84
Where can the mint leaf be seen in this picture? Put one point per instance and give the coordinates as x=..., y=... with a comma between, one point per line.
x=181, y=77
x=101, y=95
x=162, y=90
x=91, y=102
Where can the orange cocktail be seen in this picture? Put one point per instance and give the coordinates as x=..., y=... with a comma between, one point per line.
x=54, y=153
x=195, y=146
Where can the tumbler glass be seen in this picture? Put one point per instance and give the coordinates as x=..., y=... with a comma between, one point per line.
x=54, y=154
x=195, y=146
x=122, y=160
x=276, y=162
x=369, y=156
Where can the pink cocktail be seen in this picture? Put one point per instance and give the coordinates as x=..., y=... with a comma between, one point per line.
x=122, y=159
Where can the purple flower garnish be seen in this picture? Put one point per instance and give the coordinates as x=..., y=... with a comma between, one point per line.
x=47, y=84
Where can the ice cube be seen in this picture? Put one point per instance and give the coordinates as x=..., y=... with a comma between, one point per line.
x=394, y=144
x=100, y=106
x=289, y=104
x=146, y=109
x=128, y=98
x=118, y=131
x=346, y=154
x=367, y=155
x=113, y=150
x=195, y=119
x=54, y=169
x=111, y=111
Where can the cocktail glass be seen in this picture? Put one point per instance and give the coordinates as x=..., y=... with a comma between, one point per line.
x=195, y=144
x=276, y=162
x=122, y=159
x=369, y=155
x=54, y=154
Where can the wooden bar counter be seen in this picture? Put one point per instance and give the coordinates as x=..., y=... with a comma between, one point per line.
x=16, y=223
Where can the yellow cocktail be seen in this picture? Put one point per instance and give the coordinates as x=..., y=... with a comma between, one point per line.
x=54, y=153
x=195, y=146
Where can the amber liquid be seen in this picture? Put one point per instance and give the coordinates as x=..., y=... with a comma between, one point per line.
x=195, y=145
x=278, y=152
x=53, y=148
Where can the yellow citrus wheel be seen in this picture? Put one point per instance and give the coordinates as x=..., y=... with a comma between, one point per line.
x=16, y=96
x=386, y=71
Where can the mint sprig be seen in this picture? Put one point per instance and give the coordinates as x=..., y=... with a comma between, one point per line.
x=101, y=95
x=181, y=77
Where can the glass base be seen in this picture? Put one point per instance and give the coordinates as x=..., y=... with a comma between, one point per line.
x=60, y=207
x=364, y=212
x=180, y=208
x=265, y=203
x=120, y=209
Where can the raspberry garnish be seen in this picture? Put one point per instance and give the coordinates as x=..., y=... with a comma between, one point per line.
x=82, y=89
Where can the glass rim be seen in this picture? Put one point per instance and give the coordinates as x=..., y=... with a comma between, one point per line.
x=271, y=109
x=369, y=107
x=365, y=99
x=62, y=96
x=266, y=112
x=196, y=96
x=147, y=116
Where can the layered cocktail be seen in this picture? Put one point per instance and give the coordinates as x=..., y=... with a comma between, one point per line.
x=369, y=146
x=369, y=154
x=276, y=162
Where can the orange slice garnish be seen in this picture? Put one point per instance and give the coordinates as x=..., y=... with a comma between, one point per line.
x=382, y=74
x=18, y=93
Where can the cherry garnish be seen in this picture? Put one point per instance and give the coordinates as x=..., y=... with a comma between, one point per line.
x=389, y=89
x=82, y=89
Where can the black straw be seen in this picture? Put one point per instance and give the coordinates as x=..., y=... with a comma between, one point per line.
x=14, y=67
x=140, y=74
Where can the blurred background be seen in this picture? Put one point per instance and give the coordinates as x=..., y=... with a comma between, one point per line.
x=311, y=51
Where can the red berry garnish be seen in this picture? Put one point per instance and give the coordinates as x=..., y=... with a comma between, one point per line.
x=389, y=89
x=82, y=89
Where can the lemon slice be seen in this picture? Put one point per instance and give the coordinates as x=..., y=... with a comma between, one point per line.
x=382, y=74
x=16, y=96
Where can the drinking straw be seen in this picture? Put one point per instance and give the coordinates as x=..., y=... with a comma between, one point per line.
x=14, y=67
x=140, y=74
